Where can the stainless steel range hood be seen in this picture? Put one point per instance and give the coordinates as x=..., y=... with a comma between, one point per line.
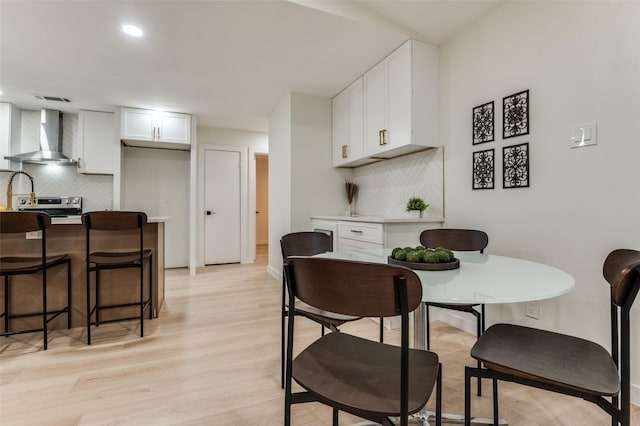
x=50, y=142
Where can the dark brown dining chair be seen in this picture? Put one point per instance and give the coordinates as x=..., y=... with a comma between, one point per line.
x=457, y=240
x=306, y=244
x=366, y=378
x=21, y=222
x=125, y=223
x=565, y=364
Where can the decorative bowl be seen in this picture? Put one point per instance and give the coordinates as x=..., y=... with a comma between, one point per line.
x=444, y=266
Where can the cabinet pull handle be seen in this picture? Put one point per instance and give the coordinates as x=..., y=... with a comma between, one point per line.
x=78, y=167
x=345, y=152
x=356, y=231
x=382, y=137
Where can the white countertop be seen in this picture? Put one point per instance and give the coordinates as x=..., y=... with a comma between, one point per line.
x=382, y=219
x=75, y=220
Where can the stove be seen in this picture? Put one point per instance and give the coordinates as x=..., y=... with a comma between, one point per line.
x=54, y=206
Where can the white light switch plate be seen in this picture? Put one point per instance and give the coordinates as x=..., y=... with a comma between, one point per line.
x=583, y=135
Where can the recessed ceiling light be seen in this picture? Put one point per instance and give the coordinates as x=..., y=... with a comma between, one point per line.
x=132, y=30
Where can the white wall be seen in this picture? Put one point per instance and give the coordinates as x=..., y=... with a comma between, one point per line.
x=302, y=181
x=279, y=180
x=243, y=138
x=580, y=62
x=156, y=181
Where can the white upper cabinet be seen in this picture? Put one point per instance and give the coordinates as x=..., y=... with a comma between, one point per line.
x=401, y=102
x=392, y=110
x=155, y=129
x=97, y=142
x=348, y=126
x=9, y=132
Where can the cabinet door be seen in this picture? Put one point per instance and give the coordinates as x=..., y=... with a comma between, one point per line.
x=340, y=127
x=347, y=125
x=138, y=124
x=96, y=142
x=173, y=127
x=399, y=114
x=375, y=108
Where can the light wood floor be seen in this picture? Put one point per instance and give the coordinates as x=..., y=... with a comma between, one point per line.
x=213, y=358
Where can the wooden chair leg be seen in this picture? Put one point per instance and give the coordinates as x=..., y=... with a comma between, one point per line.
x=428, y=327
x=479, y=332
x=381, y=330
x=495, y=402
x=283, y=315
x=44, y=307
x=467, y=396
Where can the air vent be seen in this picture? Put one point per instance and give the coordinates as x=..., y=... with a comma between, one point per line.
x=52, y=98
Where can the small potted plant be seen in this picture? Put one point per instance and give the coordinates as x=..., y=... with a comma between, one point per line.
x=417, y=204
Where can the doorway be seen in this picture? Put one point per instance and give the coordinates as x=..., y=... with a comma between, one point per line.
x=262, y=205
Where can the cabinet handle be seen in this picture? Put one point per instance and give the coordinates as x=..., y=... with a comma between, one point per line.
x=158, y=137
x=382, y=137
x=78, y=167
x=356, y=231
x=345, y=152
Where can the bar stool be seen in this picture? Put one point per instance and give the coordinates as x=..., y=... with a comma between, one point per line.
x=96, y=261
x=20, y=222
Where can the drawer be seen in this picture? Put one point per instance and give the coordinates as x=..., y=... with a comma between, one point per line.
x=345, y=244
x=360, y=231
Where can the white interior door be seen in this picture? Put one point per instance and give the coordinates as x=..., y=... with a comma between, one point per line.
x=222, y=207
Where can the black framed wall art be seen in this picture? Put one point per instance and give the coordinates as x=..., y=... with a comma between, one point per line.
x=483, y=169
x=483, y=123
x=515, y=166
x=515, y=115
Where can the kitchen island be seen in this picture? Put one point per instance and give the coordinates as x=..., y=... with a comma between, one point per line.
x=67, y=235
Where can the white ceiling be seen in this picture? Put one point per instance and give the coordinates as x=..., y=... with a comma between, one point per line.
x=227, y=62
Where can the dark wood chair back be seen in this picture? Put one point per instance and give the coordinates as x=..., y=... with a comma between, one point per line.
x=304, y=244
x=455, y=239
x=113, y=220
x=357, y=288
x=15, y=222
x=621, y=269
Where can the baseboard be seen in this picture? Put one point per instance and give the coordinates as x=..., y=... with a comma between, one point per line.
x=274, y=273
x=635, y=395
x=450, y=317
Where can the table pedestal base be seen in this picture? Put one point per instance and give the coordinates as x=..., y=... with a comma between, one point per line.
x=426, y=418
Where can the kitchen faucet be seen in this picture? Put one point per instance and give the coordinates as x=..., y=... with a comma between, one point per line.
x=10, y=193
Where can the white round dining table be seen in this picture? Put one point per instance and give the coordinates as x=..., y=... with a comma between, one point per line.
x=481, y=279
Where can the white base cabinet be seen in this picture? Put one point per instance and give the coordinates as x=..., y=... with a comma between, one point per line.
x=373, y=232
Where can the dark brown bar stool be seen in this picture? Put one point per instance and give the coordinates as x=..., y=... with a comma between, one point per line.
x=114, y=221
x=19, y=222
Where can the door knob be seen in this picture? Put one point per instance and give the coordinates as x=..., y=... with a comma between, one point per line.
x=209, y=212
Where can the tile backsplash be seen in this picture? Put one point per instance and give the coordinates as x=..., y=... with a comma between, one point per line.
x=51, y=180
x=384, y=187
